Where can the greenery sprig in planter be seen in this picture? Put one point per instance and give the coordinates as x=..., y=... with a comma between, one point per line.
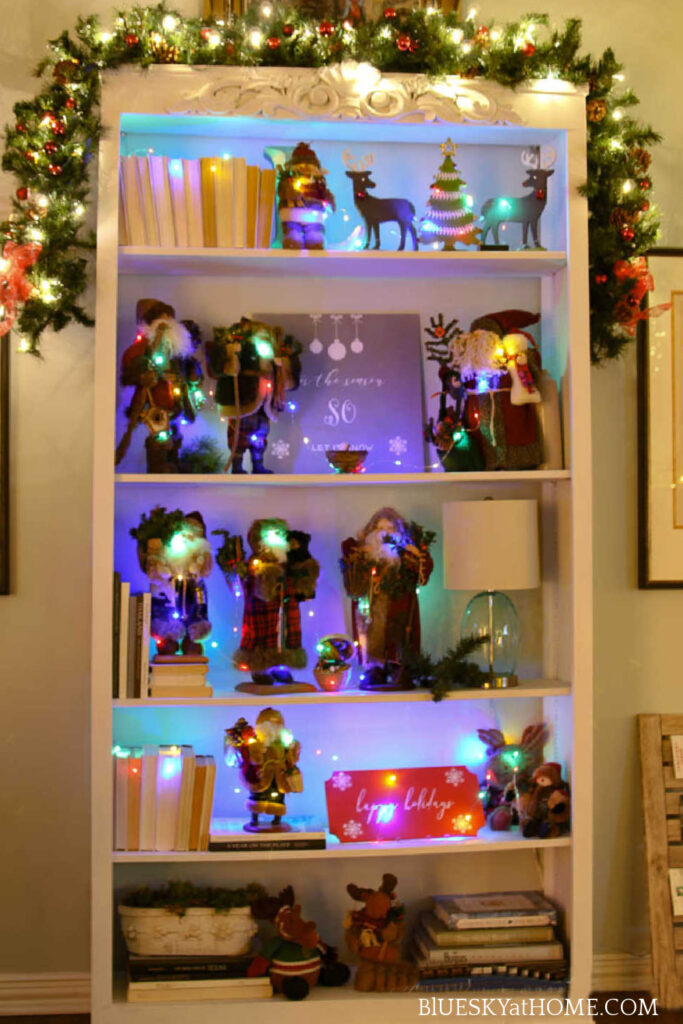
x=179, y=897
x=50, y=145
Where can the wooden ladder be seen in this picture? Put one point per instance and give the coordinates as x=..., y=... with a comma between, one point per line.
x=663, y=811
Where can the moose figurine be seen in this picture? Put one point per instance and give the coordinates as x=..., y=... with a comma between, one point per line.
x=374, y=934
x=525, y=210
x=377, y=211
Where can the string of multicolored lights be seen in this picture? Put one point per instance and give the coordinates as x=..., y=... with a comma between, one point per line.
x=54, y=136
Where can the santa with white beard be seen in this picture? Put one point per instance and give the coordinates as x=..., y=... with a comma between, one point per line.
x=383, y=566
x=161, y=366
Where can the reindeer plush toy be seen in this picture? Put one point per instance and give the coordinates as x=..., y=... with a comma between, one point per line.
x=377, y=211
x=525, y=210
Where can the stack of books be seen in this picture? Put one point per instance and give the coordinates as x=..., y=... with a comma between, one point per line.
x=228, y=834
x=132, y=615
x=502, y=940
x=166, y=979
x=163, y=797
x=210, y=202
x=179, y=675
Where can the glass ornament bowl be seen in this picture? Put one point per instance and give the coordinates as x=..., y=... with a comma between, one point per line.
x=492, y=614
x=347, y=460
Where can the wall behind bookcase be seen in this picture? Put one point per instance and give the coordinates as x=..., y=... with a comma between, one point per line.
x=44, y=626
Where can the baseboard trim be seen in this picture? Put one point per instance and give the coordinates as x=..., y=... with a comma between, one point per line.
x=621, y=972
x=24, y=994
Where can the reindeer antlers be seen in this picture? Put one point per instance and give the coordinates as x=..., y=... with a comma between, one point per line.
x=357, y=165
x=539, y=157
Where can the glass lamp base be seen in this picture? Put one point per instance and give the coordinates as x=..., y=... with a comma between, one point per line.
x=491, y=617
x=499, y=682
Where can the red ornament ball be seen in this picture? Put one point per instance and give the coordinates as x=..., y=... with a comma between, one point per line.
x=325, y=28
x=390, y=13
x=70, y=103
x=230, y=49
x=22, y=193
x=403, y=42
x=21, y=128
x=288, y=30
x=645, y=206
x=628, y=234
x=50, y=148
x=528, y=49
x=601, y=278
x=55, y=170
x=132, y=39
x=273, y=43
x=31, y=155
x=205, y=33
x=57, y=127
x=645, y=183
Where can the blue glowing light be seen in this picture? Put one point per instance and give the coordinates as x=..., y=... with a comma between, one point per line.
x=171, y=766
x=482, y=384
x=176, y=615
x=292, y=406
x=504, y=205
x=159, y=359
x=264, y=349
x=471, y=750
x=214, y=644
x=178, y=544
x=385, y=813
x=175, y=168
x=253, y=437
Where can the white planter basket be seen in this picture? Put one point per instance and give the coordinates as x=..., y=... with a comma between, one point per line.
x=200, y=931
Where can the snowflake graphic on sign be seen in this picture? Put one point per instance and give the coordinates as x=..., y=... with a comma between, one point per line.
x=398, y=445
x=455, y=776
x=463, y=823
x=352, y=828
x=280, y=449
x=342, y=781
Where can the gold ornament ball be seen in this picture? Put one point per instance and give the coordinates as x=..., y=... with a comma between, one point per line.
x=596, y=110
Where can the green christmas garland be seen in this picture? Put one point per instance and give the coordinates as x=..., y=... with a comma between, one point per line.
x=55, y=135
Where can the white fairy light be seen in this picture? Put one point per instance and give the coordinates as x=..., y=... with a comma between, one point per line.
x=169, y=23
x=35, y=234
x=23, y=345
x=4, y=265
x=616, y=144
x=213, y=39
x=255, y=37
x=466, y=47
x=472, y=13
x=619, y=77
x=457, y=35
x=266, y=10
x=617, y=113
x=105, y=37
x=627, y=186
x=78, y=209
x=43, y=202
x=495, y=35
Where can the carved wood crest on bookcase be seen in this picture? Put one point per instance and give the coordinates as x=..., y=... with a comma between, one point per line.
x=348, y=91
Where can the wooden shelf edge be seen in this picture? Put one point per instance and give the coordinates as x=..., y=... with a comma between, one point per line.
x=342, y=479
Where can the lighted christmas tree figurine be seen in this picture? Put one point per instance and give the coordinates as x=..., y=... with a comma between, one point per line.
x=449, y=218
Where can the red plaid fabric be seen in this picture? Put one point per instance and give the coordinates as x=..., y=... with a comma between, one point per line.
x=262, y=618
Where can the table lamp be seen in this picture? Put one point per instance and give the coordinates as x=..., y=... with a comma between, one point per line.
x=491, y=546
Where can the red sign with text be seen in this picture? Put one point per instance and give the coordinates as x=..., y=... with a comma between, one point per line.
x=403, y=803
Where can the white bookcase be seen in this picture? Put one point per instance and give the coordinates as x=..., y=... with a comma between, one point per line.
x=356, y=105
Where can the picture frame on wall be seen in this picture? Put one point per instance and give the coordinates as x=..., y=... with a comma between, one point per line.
x=4, y=465
x=660, y=426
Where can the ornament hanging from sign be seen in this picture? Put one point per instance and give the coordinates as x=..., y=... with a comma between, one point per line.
x=403, y=803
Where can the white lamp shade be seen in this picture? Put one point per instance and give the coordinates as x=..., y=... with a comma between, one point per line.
x=491, y=545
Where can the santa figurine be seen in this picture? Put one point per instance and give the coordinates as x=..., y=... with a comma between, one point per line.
x=162, y=368
x=255, y=364
x=276, y=578
x=267, y=755
x=383, y=567
x=175, y=555
x=303, y=200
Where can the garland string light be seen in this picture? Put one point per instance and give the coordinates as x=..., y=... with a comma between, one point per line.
x=55, y=135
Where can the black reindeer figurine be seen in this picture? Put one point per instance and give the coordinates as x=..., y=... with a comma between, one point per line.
x=525, y=210
x=377, y=211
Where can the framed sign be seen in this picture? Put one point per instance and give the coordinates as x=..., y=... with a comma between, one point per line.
x=4, y=464
x=346, y=377
x=403, y=803
x=660, y=427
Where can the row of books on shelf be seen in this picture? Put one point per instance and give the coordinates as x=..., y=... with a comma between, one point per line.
x=203, y=203
x=504, y=940
x=163, y=798
x=166, y=979
x=132, y=616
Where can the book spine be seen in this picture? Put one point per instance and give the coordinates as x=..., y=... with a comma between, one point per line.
x=139, y=635
x=133, y=201
x=253, y=182
x=456, y=921
x=123, y=214
x=124, y=616
x=239, y=206
x=176, y=184
x=185, y=973
x=161, y=191
x=134, y=798
x=267, y=844
x=144, y=645
x=490, y=954
x=266, y=207
x=207, y=803
x=148, y=797
x=490, y=936
x=224, y=201
x=148, y=212
x=208, y=180
x=116, y=628
x=193, y=203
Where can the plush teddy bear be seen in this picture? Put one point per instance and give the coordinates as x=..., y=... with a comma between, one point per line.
x=544, y=809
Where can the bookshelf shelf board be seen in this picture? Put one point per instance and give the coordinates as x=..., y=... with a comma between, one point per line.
x=528, y=688
x=331, y=263
x=337, y=1004
x=343, y=479
x=486, y=840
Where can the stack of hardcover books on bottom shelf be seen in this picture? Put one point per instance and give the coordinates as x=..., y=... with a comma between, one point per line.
x=163, y=798
x=489, y=941
x=171, y=979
